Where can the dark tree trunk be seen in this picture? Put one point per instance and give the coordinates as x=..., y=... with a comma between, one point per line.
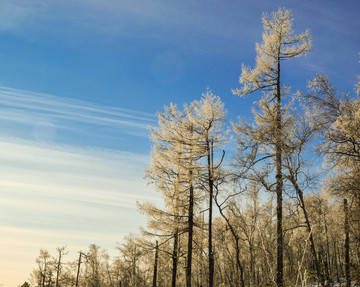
x=347, y=245
x=238, y=263
x=156, y=263
x=279, y=184
x=78, y=271
x=190, y=235
x=175, y=258
x=211, y=192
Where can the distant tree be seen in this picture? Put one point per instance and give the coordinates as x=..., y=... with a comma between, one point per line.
x=26, y=284
x=279, y=44
x=95, y=266
x=58, y=263
x=42, y=275
x=131, y=254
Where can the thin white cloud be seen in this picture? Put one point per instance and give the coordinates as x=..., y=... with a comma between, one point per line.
x=32, y=105
x=53, y=195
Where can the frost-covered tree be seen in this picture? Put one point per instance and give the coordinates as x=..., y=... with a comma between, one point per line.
x=95, y=273
x=173, y=171
x=279, y=44
x=58, y=264
x=182, y=167
x=43, y=274
x=208, y=117
x=338, y=119
x=131, y=253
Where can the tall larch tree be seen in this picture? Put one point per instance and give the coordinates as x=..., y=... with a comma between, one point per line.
x=279, y=44
x=166, y=173
x=174, y=171
x=208, y=117
x=182, y=167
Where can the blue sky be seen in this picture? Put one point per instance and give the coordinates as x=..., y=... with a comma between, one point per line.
x=80, y=81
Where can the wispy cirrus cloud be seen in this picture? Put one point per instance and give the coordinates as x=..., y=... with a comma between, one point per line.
x=54, y=194
x=56, y=189
x=44, y=116
x=71, y=109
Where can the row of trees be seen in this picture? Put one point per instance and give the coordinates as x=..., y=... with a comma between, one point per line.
x=244, y=250
x=267, y=216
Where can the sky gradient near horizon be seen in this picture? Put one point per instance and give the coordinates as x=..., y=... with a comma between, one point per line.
x=81, y=81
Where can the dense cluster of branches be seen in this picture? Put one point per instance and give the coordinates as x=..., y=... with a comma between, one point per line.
x=267, y=216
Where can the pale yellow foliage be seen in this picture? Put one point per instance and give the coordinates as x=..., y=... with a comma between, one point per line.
x=279, y=43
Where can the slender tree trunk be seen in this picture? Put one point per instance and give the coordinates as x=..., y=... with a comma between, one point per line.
x=156, y=263
x=78, y=271
x=341, y=263
x=43, y=279
x=327, y=275
x=238, y=263
x=233, y=232
x=175, y=258
x=356, y=237
x=252, y=271
x=327, y=257
x=336, y=261
x=308, y=227
x=347, y=245
x=190, y=218
x=279, y=184
x=211, y=192
x=190, y=235
x=58, y=270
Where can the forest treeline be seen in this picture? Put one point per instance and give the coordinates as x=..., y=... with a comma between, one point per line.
x=280, y=207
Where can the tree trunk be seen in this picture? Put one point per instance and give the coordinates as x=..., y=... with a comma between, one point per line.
x=252, y=264
x=347, y=245
x=233, y=232
x=156, y=263
x=327, y=256
x=190, y=218
x=58, y=270
x=78, y=271
x=308, y=227
x=133, y=271
x=211, y=191
x=175, y=258
x=336, y=261
x=279, y=184
x=238, y=263
x=190, y=235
